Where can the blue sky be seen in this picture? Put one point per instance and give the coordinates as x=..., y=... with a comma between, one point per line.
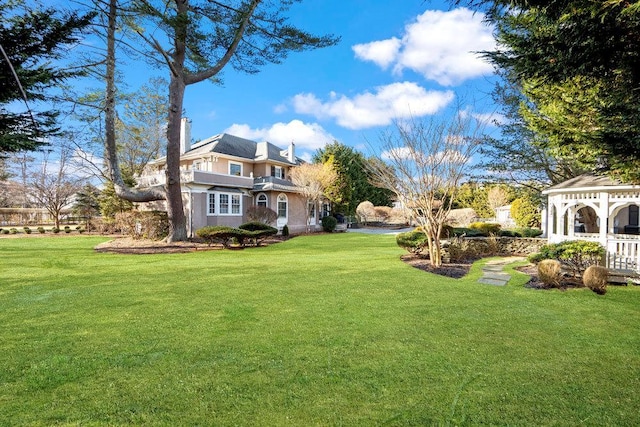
x=394, y=59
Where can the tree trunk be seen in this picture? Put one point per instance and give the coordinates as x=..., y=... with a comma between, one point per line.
x=175, y=208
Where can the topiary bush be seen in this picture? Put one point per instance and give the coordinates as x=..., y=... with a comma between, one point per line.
x=258, y=231
x=5, y=231
x=285, y=231
x=41, y=230
x=223, y=235
x=550, y=272
x=329, y=223
x=13, y=231
x=27, y=230
x=412, y=241
x=56, y=230
x=486, y=228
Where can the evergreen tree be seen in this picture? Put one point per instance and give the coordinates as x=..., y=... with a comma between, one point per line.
x=32, y=40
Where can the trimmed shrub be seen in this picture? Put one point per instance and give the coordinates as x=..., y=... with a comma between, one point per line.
x=56, y=230
x=412, y=241
x=550, y=272
x=13, y=231
x=41, y=230
x=259, y=231
x=329, y=223
x=285, y=231
x=5, y=231
x=223, y=235
x=27, y=230
x=486, y=228
x=596, y=278
x=466, y=232
x=575, y=255
x=529, y=232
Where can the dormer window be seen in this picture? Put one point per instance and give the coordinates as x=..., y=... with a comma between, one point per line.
x=277, y=171
x=235, y=169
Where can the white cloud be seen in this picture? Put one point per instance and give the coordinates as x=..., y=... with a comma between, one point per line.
x=310, y=136
x=397, y=153
x=441, y=45
x=490, y=119
x=383, y=52
x=394, y=101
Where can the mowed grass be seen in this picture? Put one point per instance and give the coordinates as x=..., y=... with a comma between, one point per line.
x=319, y=330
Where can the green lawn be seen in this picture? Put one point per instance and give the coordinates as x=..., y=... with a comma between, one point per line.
x=319, y=330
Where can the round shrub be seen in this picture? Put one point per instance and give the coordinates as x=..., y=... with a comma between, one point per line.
x=550, y=272
x=13, y=230
x=412, y=241
x=5, y=231
x=55, y=230
x=596, y=278
x=27, y=230
x=329, y=223
x=41, y=230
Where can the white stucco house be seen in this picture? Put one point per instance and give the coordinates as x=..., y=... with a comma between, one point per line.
x=615, y=207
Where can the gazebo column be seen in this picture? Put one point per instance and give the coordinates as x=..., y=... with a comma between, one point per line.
x=603, y=214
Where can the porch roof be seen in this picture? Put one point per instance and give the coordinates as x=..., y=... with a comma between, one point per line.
x=589, y=182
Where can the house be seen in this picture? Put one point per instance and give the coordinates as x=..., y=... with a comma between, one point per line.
x=224, y=175
x=503, y=216
x=597, y=208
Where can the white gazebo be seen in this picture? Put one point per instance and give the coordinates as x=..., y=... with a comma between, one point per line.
x=597, y=208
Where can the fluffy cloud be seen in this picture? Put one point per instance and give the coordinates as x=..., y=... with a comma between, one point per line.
x=442, y=46
x=310, y=136
x=380, y=108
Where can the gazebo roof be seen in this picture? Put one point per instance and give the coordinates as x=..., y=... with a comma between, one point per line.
x=588, y=181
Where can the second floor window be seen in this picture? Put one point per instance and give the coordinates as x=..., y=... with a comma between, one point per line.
x=235, y=169
x=277, y=171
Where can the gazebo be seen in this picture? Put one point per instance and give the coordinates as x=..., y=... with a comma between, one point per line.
x=597, y=208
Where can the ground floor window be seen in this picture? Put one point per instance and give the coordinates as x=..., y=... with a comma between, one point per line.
x=262, y=200
x=219, y=203
x=282, y=206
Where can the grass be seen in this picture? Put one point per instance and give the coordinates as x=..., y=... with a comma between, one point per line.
x=319, y=330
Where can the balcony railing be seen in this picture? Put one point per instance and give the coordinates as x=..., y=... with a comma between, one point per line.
x=197, y=177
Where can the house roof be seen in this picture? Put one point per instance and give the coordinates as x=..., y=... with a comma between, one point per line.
x=270, y=183
x=235, y=146
x=587, y=181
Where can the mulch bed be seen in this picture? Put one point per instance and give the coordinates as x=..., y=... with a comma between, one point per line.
x=453, y=270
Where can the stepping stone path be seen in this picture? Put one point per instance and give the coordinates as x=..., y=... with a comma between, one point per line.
x=492, y=273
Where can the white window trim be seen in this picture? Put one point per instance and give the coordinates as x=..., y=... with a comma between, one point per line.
x=265, y=198
x=216, y=195
x=237, y=164
x=286, y=200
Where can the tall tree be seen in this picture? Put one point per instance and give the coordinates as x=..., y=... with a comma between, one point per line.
x=576, y=62
x=353, y=184
x=428, y=159
x=203, y=37
x=31, y=41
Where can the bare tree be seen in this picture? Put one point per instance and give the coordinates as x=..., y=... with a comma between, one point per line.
x=496, y=197
x=312, y=181
x=55, y=184
x=422, y=163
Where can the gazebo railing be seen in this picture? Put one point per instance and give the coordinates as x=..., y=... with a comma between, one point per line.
x=623, y=254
